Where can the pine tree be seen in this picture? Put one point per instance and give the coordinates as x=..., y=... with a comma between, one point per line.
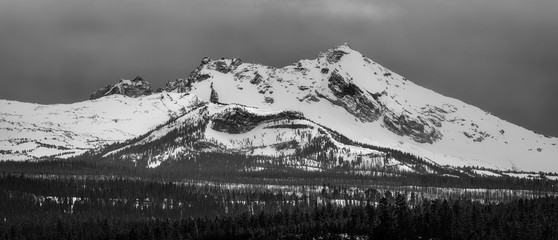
x=386, y=228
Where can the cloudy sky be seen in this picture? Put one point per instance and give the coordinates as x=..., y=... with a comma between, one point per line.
x=500, y=55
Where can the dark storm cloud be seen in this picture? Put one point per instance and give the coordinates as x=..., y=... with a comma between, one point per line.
x=500, y=55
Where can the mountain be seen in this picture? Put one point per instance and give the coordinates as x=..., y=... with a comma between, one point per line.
x=340, y=110
x=31, y=131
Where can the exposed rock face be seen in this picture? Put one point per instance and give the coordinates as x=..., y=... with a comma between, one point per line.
x=269, y=100
x=239, y=120
x=418, y=129
x=214, y=98
x=205, y=60
x=224, y=65
x=342, y=88
x=257, y=79
x=178, y=86
x=335, y=55
x=435, y=114
x=352, y=98
x=131, y=88
x=197, y=76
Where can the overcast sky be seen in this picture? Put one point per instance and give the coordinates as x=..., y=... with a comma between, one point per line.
x=500, y=55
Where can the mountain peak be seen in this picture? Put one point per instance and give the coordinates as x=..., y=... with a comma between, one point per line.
x=334, y=55
x=343, y=47
x=132, y=88
x=138, y=79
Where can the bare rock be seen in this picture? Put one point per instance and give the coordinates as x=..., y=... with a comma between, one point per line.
x=419, y=130
x=239, y=120
x=131, y=88
x=352, y=98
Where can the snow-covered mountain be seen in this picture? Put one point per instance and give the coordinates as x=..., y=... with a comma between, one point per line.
x=30, y=131
x=336, y=110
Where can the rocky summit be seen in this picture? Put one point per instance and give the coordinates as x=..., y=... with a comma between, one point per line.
x=131, y=88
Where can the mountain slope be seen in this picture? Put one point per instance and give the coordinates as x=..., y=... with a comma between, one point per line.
x=229, y=107
x=267, y=138
x=31, y=131
x=368, y=103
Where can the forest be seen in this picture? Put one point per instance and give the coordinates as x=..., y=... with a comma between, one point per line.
x=217, y=196
x=117, y=208
x=231, y=168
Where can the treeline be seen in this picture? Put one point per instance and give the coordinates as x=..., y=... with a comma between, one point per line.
x=34, y=208
x=221, y=167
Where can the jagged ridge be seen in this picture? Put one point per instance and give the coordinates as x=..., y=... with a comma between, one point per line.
x=131, y=88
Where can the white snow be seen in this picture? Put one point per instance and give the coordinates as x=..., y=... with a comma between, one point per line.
x=522, y=175
x=154, y=164
x=486, y=173
x=71, y=128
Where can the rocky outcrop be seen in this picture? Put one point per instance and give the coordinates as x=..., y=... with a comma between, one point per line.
x=419, y=130
x=178, y=86
x=257, y=79
x=131, y=88
x=334, y=56
x=223, y=65
x=197, y=76
x=238, y=120
x=214, y=97
x=352, y=98
x=435, y=115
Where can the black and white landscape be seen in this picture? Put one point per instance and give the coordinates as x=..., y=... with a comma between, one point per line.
x=335, y=146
